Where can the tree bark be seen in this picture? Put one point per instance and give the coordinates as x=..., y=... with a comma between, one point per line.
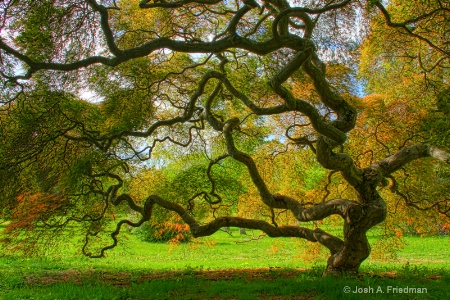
x=356, y=245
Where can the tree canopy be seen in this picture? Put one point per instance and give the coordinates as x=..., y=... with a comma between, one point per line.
x=254, y=114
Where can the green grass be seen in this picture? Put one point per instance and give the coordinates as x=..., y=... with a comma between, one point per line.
x=423, y=262
x=307, y=284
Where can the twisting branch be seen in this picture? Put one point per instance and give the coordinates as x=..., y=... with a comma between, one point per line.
x=317, y=235
x=341, y=162
x=317, y=212
x=165, y=4
x=303, y=140
x=346, y=114
x=244, y=158
x=303, y=14
x=104, y=22
x=224, y=32
x=213, y=182
x=327, y=191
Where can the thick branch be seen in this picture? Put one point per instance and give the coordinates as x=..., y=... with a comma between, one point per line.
x=261, y=48
x=317, y=212
x=278, y=109
x=164, y=4
x=341, y=162
x=407, y=155
x=347, y=115
x=302, y=13
x=317, y=235
x=300, y=59
x=109, y=36
x=246, y=159
x=349, y=210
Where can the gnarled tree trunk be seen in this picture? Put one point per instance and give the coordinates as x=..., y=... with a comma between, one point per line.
x=356, y=246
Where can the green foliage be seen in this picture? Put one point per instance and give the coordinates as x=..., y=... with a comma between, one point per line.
x=126, y=109
x=437, y=123
x=177, y=184
x=313, y=176
x=38, y=30
x=43, y=175
x=387, y=247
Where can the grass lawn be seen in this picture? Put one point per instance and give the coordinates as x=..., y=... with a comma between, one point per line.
x=217, y=267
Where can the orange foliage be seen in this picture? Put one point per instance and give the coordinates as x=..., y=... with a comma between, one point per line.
x=398, y=232
x=172, y=231
x=33, y=208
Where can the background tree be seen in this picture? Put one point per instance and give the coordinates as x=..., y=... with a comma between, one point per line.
x=96, y=91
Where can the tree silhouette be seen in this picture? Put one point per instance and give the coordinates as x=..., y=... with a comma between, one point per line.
x=205, y=76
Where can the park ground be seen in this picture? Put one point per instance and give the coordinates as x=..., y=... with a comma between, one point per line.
x=227, y=266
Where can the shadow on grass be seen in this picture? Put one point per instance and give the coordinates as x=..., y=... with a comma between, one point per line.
x=405, y=283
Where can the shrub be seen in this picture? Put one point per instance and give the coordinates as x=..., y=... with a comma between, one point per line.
x=172, y=231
